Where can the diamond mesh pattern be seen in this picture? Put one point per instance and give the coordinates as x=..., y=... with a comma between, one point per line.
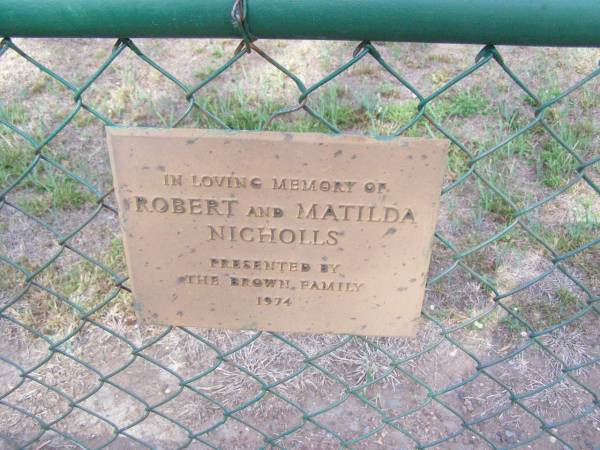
x=393, y=398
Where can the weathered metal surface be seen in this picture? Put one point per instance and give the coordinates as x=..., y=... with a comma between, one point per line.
x=277, y=231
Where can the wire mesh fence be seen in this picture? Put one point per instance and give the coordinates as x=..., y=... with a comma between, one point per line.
x=499, y=361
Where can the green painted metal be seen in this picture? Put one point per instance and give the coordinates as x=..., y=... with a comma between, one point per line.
x=517, y=22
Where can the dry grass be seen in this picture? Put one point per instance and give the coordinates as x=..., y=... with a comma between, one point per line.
x=165, y=375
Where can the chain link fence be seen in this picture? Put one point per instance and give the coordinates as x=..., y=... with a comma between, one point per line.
x=495, y=364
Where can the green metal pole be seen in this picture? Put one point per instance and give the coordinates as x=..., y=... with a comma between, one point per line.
x=518, y=22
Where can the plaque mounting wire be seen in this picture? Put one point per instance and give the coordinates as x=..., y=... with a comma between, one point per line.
x=239, y=13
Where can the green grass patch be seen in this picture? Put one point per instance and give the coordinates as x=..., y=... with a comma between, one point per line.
x=42, y=189
x=245, y=111
x=238, y=110
x=125, y=102
x=41, y=84
x=52, y=191
x=440, y=78
x=520, y=146
x=36, y=205
x=14, y=113
x=464, y=104
x=83, y=284
x=586, y=99
x=580, y=229
x=549, y=93
x=83, y=119
x=545, y=95
x=15, y=153
x=204, y=72
x=555, y=164
x=116, y=255
x=543, y=313
x=385, y=118
x=458, y=162
x=338, y=111
x=493, y=203
x=387, y=89
x=573, y=236
x=65, y=193
x=15, y=157
x=499, y=170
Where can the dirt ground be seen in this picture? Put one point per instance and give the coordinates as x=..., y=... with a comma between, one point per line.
x=508, y=347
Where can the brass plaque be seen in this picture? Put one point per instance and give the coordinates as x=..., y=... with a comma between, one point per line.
x=277, y=231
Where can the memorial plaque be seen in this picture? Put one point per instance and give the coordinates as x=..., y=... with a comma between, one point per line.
x=277, y=231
